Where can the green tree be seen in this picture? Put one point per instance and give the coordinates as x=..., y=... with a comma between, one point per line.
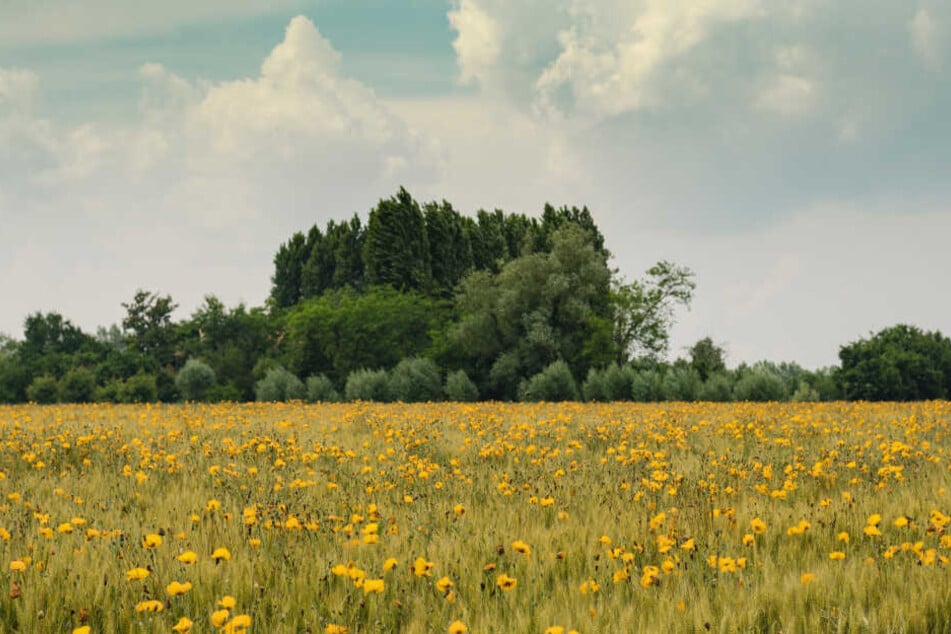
x=460, y=388
x=450, y=252
x=644, y=310
x=279, y=384
x=538, y=309
x=707, y=358
x=78, y=385
x=343, y=331
x=194, y=380
x=396, y=251
x=43, y=390
x=901, y=363
x=288, y=269
x=553, y=383
x=415, y=380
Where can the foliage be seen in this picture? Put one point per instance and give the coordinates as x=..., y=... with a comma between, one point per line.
x=194, y=380
x=279, y=384
x=644, y=310
x=320, y=389
x=554, y=383
x=343, y=331
x=901, y=363
x=682, y=384
x=760, y=383
x=718, y=388
x=78, y=385
x=415, y=380
x=460, y=388
x=43, y=390
x=707, y=358
x=396, y=251
x=368, y=385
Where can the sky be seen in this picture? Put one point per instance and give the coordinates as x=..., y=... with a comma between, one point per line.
x=795, y=155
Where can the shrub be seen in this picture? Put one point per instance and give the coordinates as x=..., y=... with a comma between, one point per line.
x=43, y=390
x=460, y=388
x=593, y=387
x=647, y=386
x=320, y=389
x=618, y=382
x=718, y=388
x=194, y=380
x=139, y=388
x=554, y=383
x=415, y=380
x=682, y=384
x=367, y=385
x=760, y=384
x=279, y=384
x=219, y=393
x=78, y=386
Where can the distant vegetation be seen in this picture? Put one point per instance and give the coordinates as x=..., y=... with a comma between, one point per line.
x=423, y=303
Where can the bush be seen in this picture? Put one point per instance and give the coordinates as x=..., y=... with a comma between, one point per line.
x=43, y=390
x=593, y=387
x=618, y=382
x=718, y=388
x=415, y=380
x=367, y=385
x=760, y=385
x=320, y=389
x=554, y=383
x=682, y=384
x=224, y=393
x=279, y=385
x=460, y=388
x=139, y=388
x=78, y=386
x=194, y=380
x=647, y=386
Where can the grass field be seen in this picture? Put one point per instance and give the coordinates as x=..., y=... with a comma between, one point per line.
x=479, y=518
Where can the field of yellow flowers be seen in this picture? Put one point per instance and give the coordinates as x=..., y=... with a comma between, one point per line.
x=476, y=518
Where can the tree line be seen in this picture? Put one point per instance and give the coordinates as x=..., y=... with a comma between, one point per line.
x=423, y=303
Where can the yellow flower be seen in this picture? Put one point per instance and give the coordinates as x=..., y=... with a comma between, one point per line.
x=136, y=574
x=239, y=623
x=589, y=586
x=176, y=588
x=757, y=525
x=219, y=617
x=690, y=544
x=421, y=567
x=555, y=629
x=188, y=557
x=151, y=605
x=843, y=537
x=457, y=627
x=505, y=582
x=444, y=585
x=807, y=578
x=874, y=520
x=82, y=629
x=521, y=547
x=65, y=527
x=900, y=522
x=620, y=575
x=152, y=541
x=373, y=585
x=333, y=628
x=221, y=554
x=184, y=625
x=871, y=531
x=459, y=510
x=836, y=555
x=17, y=565
x=227, y=602
x=390, y=563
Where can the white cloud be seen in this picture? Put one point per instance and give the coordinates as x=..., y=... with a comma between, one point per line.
x=788, y=95
x=927, y=39
x=610, y=60
x=198, y=192
x=36, y=21
x=478, y=41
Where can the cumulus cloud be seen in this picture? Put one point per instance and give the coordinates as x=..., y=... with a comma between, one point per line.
x=235, y=166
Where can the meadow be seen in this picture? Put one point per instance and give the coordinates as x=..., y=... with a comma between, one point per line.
x=476, y=518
